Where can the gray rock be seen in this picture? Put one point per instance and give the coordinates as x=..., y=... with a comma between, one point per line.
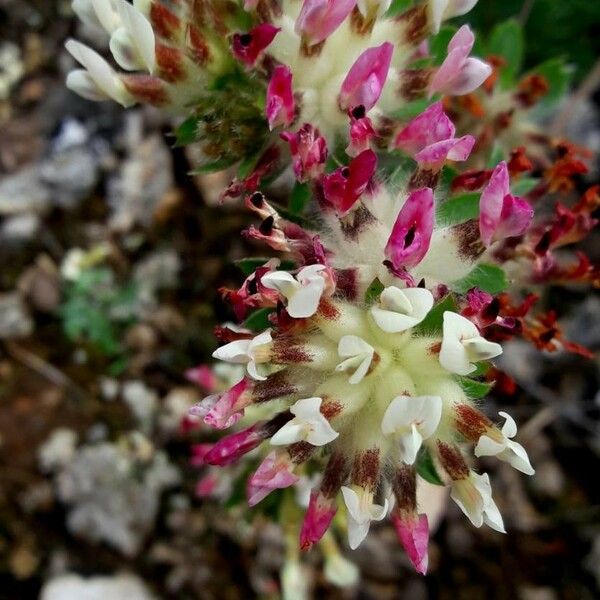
x=15, y=320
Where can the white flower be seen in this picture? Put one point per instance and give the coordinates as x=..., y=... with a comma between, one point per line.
x=302, y=293
x=414, y=419
x=474, y=497
x=339, y=571
x=462, y=345
x=132, y=43
x=361, y=511
x=441, y=10
x=98, y=81
x=249, y=352
x=308, y=425
x=358, y=355
x=506, y=450
x=399, y=310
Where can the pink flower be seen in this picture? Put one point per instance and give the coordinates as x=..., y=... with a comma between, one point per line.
x=247, y=47
x=223, y=413
x=199, y=452
x=501, y=214
x=414, y=537
x=345, y=185
x=318, y=517
x=361, y=131
x=203, y=376
x=365, y=80
x=275, y=472
x=412, y=231
x=430, y=137
x=309, y=151
x=251, y=294
x=460, y=73
x=230, y=448
x=281, y=106
x=318, y=19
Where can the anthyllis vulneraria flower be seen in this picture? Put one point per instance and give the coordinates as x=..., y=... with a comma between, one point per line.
x=345, y=66
x=372, y=345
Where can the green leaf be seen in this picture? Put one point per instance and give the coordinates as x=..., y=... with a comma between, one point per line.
x=475, y=389
x=397, y=7
x=458, y=209
x=489, y=278
x=218, y=165
x=300, y=197
x=496, y=156
x=432, y=323
x=558, y=75
x=258, y=320
x=187, y=132
x=374, y=291
x=524, y=185
x=508, y=42
x=426, y=467
x=438, y=44
x=248, y=265
x=412, y=109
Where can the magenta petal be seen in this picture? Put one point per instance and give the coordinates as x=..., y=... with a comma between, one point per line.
x=361, y=133
x=433, y=156
x=272, y=474
x=318, y=517
x=412, y=230
x=463, y=38
x=247, y=47
x=344, y=186
x=460, y=74
x=431, y=126
x=309, y=151
x=228, y=449
x=318, y=19
x=223, y=414
x=280, y=106
x=365, y=80
x=414, y=537
x=199, y=452
x=491, y=202
x=515, y=218
x=203, y=376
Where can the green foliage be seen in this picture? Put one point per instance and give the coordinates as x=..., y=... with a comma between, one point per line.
x=374, y=291
x=258, y=320
x=458, y=209
x=300, y=197
x=507, y=41
x=475, y=389
x=397, y=7
x=438, y=45
x=97, y=311
x=489, y=278
x=426, y=467
x=558, y=75
x=524, y=185
x=433, y=322
x=248, y=265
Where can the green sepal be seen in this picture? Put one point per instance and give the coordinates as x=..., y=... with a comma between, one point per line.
x=433, y=323
x=258, y=320
x=426, y=467
x=458, y=209
x=374, y=291
x=489, y=278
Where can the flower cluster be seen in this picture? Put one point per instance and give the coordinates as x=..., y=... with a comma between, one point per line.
x=361, y=357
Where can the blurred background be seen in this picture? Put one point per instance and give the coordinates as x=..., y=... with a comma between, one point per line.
x=110, y=261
